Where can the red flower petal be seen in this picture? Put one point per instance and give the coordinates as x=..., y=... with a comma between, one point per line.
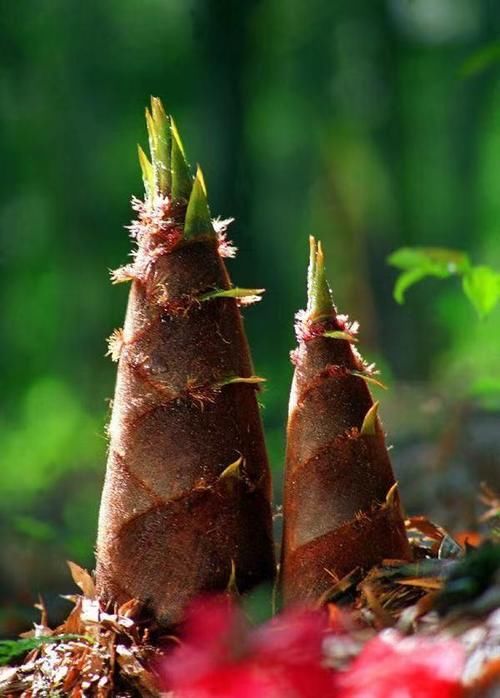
x=221, y=658
x=394, y=667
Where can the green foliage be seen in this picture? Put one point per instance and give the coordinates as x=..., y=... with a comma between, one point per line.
x=482, y=59
x=482, y=287
x=259, y=604
x=473, y=576
x=33, y=528
x=13, y=649
x=53, y=421
x=481, y=284
x=420, y=262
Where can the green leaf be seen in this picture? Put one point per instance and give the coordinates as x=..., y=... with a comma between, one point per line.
x=11, y=649
x=439, y=258
x=420, y=262
x=469, y=580
x=482, y=287
x=405, y=280
x=198, y=221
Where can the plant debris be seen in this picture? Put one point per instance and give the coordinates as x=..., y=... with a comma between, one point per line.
x=433, y=623
x=95, y=652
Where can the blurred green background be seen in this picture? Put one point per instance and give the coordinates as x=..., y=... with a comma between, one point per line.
x=372, y=124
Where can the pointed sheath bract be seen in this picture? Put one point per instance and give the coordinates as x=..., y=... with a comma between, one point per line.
x=319, y=297
x=182, y=181
x=198, y=221
x=147, y=173
x=186, y=500
x=341, y=507
x=163, y=146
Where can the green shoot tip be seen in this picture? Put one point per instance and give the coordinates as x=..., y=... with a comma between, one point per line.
x=182, y=181
x=158, y=126
x=319, y=298
x=147, y=173
x=198, y=220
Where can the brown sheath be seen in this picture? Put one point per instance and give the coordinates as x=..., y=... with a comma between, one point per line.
x=337, y=513
x=175, y=520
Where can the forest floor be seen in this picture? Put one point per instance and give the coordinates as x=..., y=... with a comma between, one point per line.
x=440, y=614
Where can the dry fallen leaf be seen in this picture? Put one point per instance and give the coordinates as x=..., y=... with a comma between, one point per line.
x=82, y=579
